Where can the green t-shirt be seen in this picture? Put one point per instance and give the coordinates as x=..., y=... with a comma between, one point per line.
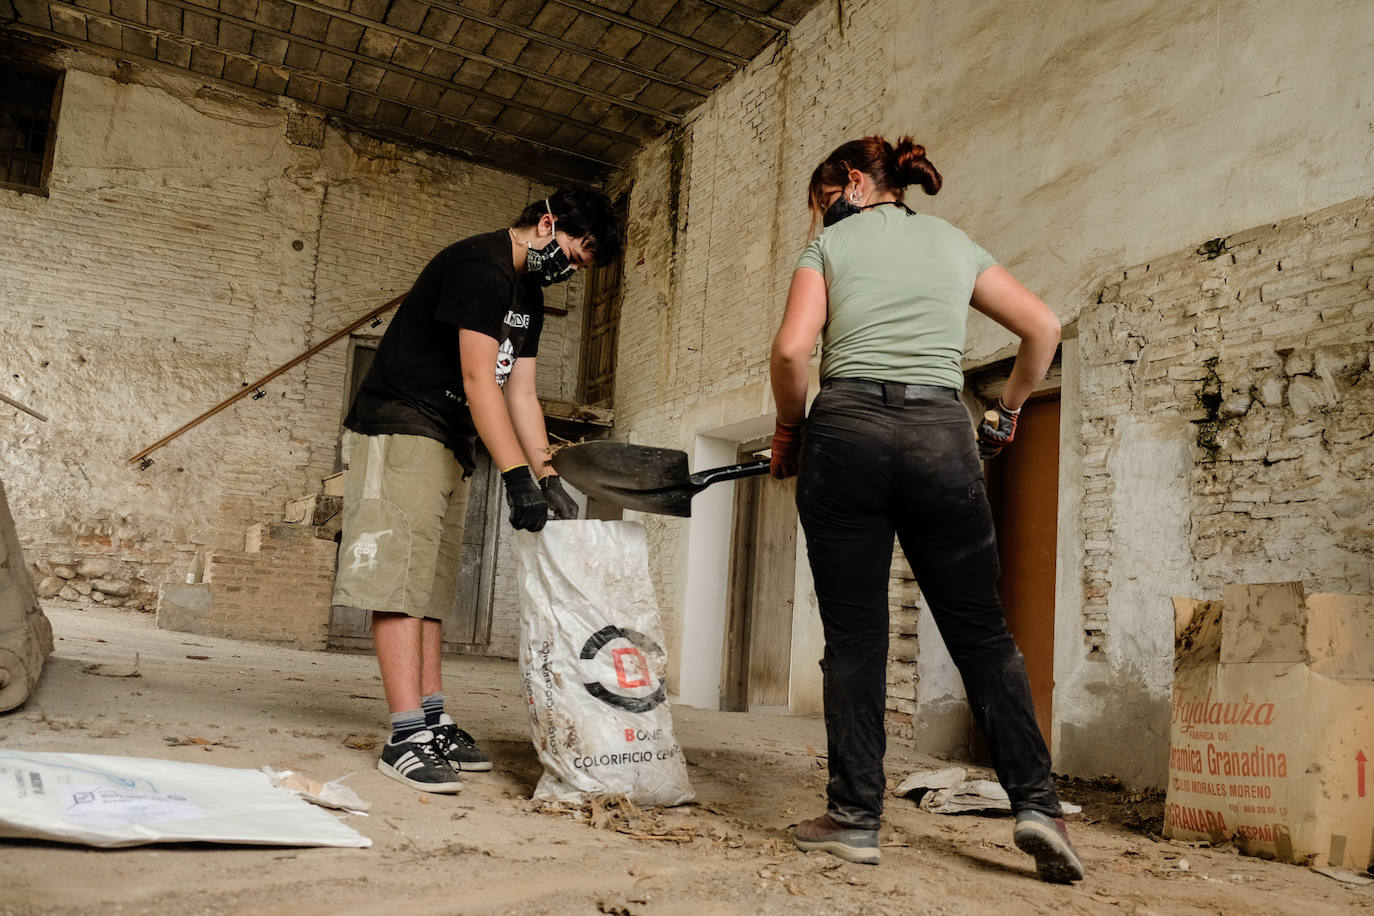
x=898, y=287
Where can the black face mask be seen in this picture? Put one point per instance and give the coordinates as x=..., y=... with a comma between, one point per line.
x=840, y=209
x=550, y=264
x=843, y=209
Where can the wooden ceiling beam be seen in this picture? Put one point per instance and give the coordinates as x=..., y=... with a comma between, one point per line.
x=682, y=41
x=301, y=72
x=492, y=62
x=389, y=66
x=744, y=12
x=545, y=174
x=553, y=42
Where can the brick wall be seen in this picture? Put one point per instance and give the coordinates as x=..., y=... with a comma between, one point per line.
x=187, y=246
x=1261, y=342
x=1225, y=395
x=275, y=589
x=903, y=607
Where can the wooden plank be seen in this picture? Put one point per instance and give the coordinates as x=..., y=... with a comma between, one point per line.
x=555, y=409
x=770, y=605
x=469, y=622
x=734, y=687
x=348, y=622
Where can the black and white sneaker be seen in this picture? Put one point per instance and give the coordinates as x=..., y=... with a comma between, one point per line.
x=417, y=762
x=458, y=747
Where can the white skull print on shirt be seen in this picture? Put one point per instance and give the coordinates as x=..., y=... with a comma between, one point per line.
x=505, y=362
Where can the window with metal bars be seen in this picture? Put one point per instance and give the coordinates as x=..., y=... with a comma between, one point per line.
x=29, y=98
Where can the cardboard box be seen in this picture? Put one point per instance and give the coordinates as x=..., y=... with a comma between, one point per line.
x=1273, y=725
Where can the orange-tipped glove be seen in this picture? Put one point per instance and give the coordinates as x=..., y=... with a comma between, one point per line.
x=786, y=450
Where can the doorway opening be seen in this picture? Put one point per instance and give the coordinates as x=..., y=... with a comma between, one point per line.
x=1023, y=491
x=758, y=626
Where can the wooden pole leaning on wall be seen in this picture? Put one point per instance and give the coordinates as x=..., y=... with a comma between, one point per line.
x=28, y=410
x=252, y=387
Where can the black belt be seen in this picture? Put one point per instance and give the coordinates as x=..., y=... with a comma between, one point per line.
x=893, y=393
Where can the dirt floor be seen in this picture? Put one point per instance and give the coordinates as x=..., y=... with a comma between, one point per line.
x=491, y=849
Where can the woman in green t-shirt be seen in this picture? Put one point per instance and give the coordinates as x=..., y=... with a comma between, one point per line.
x=887, y=450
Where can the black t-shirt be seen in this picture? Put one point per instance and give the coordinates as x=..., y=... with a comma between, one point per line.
x=415, y=384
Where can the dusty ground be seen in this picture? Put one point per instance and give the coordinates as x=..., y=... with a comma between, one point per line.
x=491, y=850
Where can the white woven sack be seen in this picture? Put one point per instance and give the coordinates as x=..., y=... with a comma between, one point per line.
x=592, y=660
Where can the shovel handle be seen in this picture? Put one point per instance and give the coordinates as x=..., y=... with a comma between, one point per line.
x=730, y=472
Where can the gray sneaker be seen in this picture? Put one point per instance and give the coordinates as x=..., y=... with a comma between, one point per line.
x=1047, y=839
x=416, y=761
x=848, y=843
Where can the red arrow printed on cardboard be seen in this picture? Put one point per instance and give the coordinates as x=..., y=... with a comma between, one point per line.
x=1359, y=772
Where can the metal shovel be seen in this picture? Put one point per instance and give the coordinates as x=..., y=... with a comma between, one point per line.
x=642, y=477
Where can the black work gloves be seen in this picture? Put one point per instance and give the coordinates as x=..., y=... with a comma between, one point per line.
x=528, y=510
x=560, y=503
x=997, y=430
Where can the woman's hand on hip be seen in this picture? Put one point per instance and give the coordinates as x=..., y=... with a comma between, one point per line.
x=786, y=450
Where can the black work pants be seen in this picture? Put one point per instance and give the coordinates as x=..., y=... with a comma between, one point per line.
x=876, y=462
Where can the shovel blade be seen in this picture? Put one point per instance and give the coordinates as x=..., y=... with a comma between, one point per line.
x=638, y=477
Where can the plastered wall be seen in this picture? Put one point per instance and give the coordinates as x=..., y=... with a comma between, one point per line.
x=1078, y=141
x=192, y=241
x=1227, y=398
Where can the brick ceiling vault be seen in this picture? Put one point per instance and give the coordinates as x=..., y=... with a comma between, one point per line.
x=556, y=90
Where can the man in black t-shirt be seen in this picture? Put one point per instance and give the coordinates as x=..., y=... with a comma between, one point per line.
x=456, y=364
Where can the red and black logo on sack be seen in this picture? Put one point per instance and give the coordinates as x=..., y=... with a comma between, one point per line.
x=631, y=669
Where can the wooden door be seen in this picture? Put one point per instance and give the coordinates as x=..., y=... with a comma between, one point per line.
x=758, y=652
x=601, y=330
x=468, y=628
x=1023, y=487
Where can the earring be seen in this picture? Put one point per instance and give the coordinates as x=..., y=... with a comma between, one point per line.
x=854, y=197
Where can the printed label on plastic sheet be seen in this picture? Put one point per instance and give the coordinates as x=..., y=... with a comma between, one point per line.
x=109, y=807
x=593, y=663
x=107, y=801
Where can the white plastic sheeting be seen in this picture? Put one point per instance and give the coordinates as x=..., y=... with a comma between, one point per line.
x=99, y=800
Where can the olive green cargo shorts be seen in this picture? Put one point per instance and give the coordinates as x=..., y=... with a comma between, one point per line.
x=405, y=502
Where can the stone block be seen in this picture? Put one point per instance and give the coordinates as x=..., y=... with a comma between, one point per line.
x=184, y=608
x=49, y=586
x=1306, y=394
x=1302, y=430
x=1188, y=373
x=1237, y=405
x=1336, y=295
x=288, y=532
x=117, y=588
x=1343, y=363
x=1298, y=363
x=1283, y=453
x=95, y=567
x=1270, y=391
